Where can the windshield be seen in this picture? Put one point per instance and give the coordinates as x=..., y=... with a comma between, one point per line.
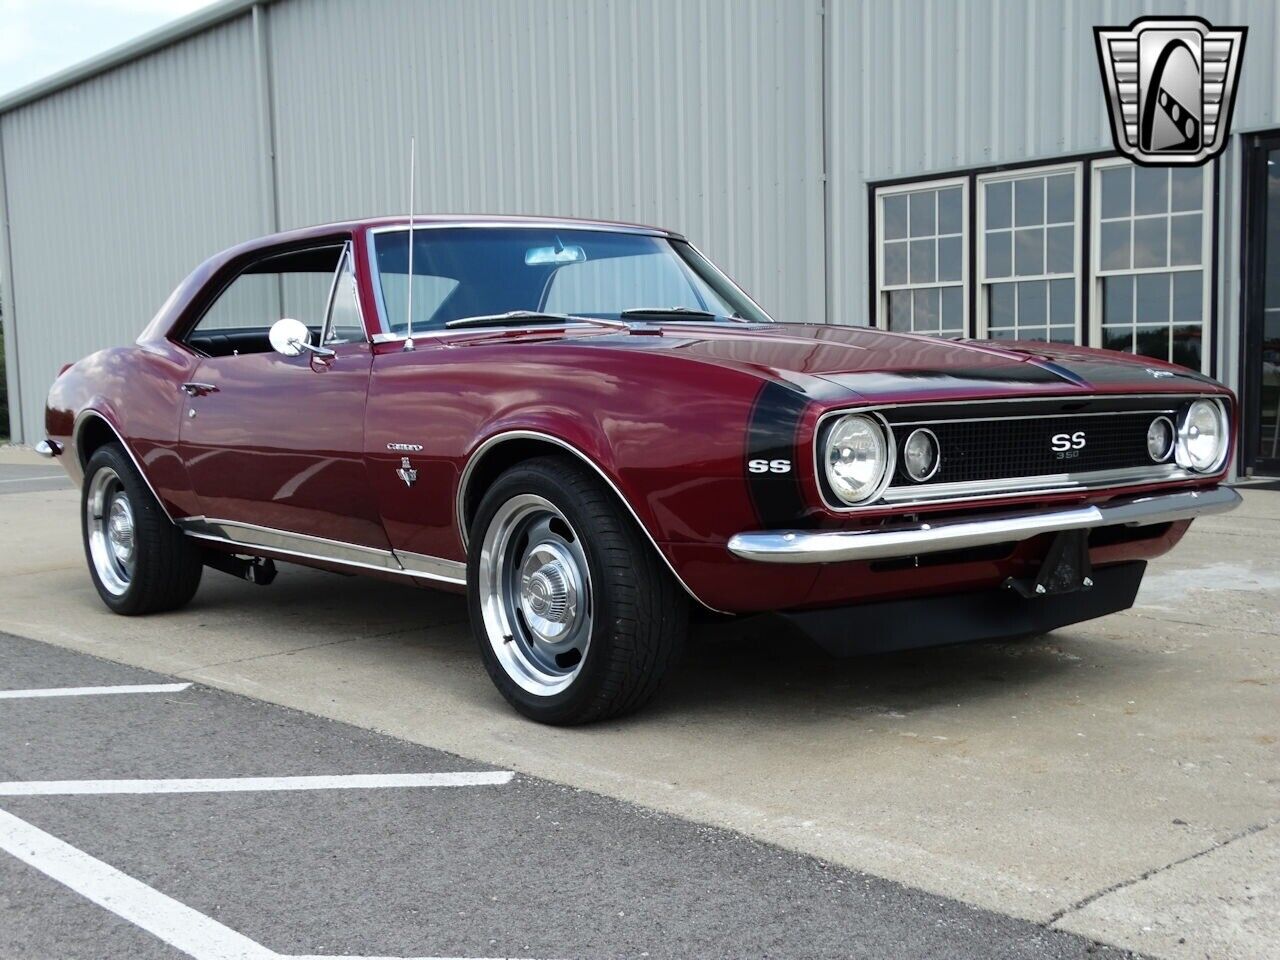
x=483, y=272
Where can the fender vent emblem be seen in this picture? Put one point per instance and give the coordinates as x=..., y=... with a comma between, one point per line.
x=406, y=472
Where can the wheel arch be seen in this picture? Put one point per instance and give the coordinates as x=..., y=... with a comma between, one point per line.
x=93, y=429
x=504, y=450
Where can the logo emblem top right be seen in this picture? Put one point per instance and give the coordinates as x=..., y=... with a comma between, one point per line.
x=1171, y=86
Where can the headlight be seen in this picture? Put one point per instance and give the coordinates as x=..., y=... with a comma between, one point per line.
x=856, y=458
x=920, y=455
x=1202, y=437
x=1160, y=439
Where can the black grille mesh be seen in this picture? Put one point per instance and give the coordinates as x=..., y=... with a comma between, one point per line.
x=999, y=449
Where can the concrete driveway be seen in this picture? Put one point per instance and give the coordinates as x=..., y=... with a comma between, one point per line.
x=1119, y=779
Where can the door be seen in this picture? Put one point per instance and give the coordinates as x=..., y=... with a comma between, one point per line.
x=1261, y=357
x=273, y=445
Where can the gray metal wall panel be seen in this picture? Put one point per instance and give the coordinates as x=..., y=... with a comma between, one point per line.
x=117, y=188
x=701, y=116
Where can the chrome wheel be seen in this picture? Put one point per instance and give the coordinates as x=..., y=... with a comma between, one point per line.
x=535, y=594
x=110, y=525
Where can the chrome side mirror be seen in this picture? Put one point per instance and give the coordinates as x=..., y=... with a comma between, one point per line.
x=291, y=338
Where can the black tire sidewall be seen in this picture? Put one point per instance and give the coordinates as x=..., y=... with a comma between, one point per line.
x=568, y=705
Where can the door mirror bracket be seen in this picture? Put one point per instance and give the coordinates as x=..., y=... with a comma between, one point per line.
x=291, y=338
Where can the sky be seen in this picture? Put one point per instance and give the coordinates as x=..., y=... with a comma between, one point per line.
x=41, y=37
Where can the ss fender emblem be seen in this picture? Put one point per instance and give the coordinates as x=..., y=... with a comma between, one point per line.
x=769, y=466
x=1067, y=443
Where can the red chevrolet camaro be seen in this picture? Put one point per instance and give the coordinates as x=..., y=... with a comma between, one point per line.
x=594, y=433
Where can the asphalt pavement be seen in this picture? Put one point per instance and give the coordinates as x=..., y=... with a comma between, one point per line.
x=151, y=781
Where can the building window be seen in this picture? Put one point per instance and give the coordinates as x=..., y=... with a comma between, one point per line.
x=922, y=257
x=1029, y=254
x=1151, y=233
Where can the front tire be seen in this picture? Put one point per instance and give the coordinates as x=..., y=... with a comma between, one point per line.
x=575, y=616
x=139, y=561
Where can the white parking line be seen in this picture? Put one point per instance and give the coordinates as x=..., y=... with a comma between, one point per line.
x=47, y=476
x=359, y=781
x=93, y=691
x=178, y=925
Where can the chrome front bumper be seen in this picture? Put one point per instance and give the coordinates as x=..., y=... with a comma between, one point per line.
x=914, y=539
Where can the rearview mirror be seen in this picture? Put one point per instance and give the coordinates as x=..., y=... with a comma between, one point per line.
x=557, y=255
x=289, y=337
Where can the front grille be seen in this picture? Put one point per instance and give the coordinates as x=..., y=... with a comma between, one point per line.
x=976, y=450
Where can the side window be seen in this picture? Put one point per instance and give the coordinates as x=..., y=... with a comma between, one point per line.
x=295, y=284
x=345, y=324
x=613, y=284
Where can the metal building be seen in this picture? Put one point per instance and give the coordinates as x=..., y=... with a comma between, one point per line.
x=788, y=138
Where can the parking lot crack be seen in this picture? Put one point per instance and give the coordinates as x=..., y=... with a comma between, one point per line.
x=311, y=646
x=1154, y=871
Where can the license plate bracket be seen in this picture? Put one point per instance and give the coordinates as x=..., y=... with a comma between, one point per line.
x=1065, y=568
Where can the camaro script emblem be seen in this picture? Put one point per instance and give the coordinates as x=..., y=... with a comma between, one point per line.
x=406, y=472
x=1171, y=85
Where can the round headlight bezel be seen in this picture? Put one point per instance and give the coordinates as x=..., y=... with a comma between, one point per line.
x=1182, y=452
x=937, y=455
x=1170, y=444
x=831, y=487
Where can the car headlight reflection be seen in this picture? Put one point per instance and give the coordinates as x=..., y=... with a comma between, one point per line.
x=1202, y=437
x=856, y=458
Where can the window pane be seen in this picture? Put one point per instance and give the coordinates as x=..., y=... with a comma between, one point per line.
x=949, y=258
x=895, y=263
x=1184, y=240
x=922, y=213
x=1028, y=202
x=1033, y=306
x=952, y=311
x=1028, y=252
x=1061, y=250
x=1115, y=192
x=1188, y=306
x=1150, y=242
x=1115, y=245
x=1033, y=333
x=1117, y=300
x=1062, y=198
x=1000, y=304
x=895, y=217
x=1118, y=338
x=1153, y=342
x=1186, y=188
x=1000, y=254
x=999, y=204
x=900, y=311
x=949, y=210
x=345, y=324
x=1062, y=302
x=1003, y=333
x=1150, y=190
x=1062, y=334
x=1152, y=298
x=926, y=311
x=1186, y=346
x=922, y=266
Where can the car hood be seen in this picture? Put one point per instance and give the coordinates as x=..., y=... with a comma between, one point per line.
x=832, y=362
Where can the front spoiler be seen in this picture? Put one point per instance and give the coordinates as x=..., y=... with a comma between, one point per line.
x=917, y=538
x=980, y=615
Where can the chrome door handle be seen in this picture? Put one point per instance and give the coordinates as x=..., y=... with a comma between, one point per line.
x=198, y=389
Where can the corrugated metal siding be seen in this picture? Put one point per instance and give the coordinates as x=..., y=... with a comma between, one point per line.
x=700, y=116
x=117, y=188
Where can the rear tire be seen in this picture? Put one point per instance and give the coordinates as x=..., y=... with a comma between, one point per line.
x=139, y=561
x=575, y=615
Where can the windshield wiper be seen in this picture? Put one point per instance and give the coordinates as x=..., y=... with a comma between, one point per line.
x=531, y=316
x=681, y=313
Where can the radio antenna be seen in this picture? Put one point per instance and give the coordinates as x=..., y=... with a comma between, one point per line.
x=408, y=326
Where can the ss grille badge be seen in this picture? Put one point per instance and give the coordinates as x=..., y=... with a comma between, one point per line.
x=406, y=472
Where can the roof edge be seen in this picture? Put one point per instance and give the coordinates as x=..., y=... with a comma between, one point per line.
x=167, y=35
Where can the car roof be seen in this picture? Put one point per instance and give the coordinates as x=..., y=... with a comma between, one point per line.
x=427, y=221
